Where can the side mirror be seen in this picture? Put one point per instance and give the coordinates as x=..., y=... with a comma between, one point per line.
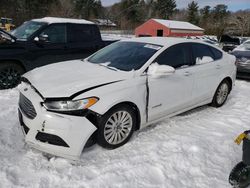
x=157, y=71
x=205, y=59
x=42, y=38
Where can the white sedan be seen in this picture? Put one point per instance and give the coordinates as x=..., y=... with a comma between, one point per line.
x=118, y=90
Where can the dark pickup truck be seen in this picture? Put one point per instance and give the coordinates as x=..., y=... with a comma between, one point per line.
x=228, y=43
x=43, y=41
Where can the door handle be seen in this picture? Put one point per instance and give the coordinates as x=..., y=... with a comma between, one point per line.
x=218, y=66
x=187, y=73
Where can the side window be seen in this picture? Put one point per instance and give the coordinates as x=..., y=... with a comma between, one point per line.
x=200, y=51
x=175, y=56
x=217, y=53
x=81, y=33
x=56, y=33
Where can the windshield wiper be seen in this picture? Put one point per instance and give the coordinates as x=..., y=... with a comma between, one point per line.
x=106, y=65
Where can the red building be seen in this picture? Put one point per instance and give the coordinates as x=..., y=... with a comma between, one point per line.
x=167, y=28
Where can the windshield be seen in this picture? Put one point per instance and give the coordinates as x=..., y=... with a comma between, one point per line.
x=125, y=56
x=246, y=45
x=27, y=29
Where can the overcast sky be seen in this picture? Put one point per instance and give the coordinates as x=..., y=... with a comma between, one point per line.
x=233, y=5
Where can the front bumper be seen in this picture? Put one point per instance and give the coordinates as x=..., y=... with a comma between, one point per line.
x=57, y=134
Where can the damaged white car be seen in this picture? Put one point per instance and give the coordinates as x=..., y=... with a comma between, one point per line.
x=118, y=90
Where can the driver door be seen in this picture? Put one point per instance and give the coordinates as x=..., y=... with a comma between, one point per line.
x=51, y=50
x=171, y=93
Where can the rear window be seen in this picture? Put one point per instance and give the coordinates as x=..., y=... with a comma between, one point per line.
x=201, y=50
x=175, y=56
x=81, y=33
x=217, y=53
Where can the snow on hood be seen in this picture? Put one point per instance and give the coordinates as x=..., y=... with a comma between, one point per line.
x=243, y=47
x=67, y=78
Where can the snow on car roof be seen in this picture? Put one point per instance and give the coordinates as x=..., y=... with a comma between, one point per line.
x=163, y=41
x=62, y=20
x=172, y=24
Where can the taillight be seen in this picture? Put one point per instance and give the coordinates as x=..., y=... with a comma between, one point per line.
x=238, y=61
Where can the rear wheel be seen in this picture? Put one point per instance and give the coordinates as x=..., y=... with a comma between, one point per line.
x=10, y=75
x=221, y=94
x=116, y=127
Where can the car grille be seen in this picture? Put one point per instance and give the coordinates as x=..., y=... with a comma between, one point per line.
x=27, y=107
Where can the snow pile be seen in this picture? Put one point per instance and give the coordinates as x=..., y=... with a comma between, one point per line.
x=194, y=149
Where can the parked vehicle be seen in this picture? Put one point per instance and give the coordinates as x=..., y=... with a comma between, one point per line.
x=228, y=43
x=211, y=42
x=43, y=41
x=243, y=39
x=121, y=88
x=6, y=24
x=242, y=54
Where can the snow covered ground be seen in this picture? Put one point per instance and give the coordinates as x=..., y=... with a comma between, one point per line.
x=195, y=149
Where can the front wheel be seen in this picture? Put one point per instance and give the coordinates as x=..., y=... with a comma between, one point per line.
x=10, y=75
x=221, y=94
x=116, y=127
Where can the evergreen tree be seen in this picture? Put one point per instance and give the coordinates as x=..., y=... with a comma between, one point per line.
x=193, y=14
x=131, y=10
x=165, y=8
x=88, y=8
x=205, y=12
x=205, y=18
x=220, y=19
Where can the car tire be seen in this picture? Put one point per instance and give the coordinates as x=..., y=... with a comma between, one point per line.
x=116, y=127
x=240, y=176
x=10, y=75
x=221, y=94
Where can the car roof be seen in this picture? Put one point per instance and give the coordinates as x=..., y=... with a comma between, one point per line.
x=51, y=20
x=247, y=41
x=164, y=41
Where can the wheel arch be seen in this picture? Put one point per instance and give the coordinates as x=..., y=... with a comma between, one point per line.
x=94, y=118
x=230, y=81
x=135, y=108
x=18, y=62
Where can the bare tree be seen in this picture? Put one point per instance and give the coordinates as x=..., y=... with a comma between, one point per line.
x=241, y=21
x=63, y=8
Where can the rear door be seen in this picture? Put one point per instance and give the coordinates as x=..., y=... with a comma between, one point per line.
x=83, y=40
x=170, y=94
x=50, y=51
x=207, y=75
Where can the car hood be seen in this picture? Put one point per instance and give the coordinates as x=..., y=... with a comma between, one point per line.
x=240, y=53
x=7, y=35
x=66, y=79
x=243, y=48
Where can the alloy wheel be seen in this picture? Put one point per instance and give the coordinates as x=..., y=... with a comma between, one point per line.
x=222, y=93
x=9, y=78
x=118, y=127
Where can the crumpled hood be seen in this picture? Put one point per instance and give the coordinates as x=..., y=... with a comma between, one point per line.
x=65, y=79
